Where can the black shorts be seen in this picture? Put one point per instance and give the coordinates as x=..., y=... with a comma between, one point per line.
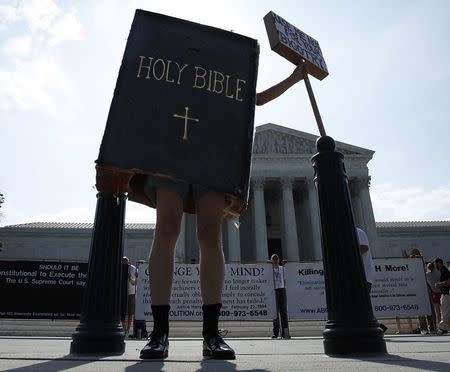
x=183, y=189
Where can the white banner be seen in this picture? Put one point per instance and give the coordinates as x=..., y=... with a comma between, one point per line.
x=247, y=295
x=399, y=289
x=305, y=291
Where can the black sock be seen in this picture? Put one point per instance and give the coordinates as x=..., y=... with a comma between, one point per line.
x=211, y=320
x=161, y=318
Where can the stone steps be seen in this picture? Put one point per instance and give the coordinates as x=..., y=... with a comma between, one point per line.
x=64, y=328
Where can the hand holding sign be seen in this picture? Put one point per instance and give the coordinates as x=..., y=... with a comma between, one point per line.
x=299, y=73
x=301, y=49
x=294, y=45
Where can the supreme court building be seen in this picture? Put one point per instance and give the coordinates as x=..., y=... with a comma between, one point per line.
x=282, y=215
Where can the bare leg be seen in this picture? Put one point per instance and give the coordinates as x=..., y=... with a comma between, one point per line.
x=128, y=322
x=209, y=223
x=212, y=269
x=399, y=325
x=437, y=311
x=410, y=325
x=168, y=221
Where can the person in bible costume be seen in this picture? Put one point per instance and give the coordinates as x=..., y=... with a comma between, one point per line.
x=169, y=197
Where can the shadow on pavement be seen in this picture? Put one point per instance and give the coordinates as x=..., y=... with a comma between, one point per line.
x=206, y=365
x=399, y=361
x=148, y=365
x=53, y=365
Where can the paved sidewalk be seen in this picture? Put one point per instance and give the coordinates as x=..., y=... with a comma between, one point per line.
x=406, y=353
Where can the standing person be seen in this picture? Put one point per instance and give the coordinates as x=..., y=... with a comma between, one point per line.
x=131, y=303
x=433, y=276
x=170, y=196
x=367, y=261
x=131, y=294
x=444, y=286
x=423, y=322
x=280, y=297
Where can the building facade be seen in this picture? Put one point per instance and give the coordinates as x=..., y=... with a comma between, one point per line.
x=283, y=213
x=282, y=216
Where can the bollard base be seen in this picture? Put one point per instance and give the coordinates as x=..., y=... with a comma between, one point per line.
x=88, y=340
x=339, y=341
x=100, y=330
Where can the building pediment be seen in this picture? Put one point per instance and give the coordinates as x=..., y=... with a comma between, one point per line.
x=277, y=140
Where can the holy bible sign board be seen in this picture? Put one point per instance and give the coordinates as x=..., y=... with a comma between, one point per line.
x=294, y=45
x=184, y=103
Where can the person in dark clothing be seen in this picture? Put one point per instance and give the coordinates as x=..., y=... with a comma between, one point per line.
x=280, y=297
x=170, y=195
x=444, y=286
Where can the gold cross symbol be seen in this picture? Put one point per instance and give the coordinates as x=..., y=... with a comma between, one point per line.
x=186, y=118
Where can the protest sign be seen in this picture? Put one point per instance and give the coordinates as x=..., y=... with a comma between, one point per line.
x=247, y=295
x=399, y=289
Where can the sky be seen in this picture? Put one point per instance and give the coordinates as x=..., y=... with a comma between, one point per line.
x=389, y=64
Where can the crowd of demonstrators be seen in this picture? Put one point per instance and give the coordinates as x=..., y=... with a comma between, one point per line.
x=437, y=280
x=427, y=324
x=438, y=285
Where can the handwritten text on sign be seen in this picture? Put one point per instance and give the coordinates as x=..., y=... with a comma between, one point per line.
x=293, y=44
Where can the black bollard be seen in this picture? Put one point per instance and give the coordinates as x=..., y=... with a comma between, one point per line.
x=351, y=327
x=100, y=329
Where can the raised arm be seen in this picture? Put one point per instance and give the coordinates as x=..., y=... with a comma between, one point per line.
x=278, y=89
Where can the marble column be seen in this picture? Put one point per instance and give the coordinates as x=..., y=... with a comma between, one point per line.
x=192, y=248
x=234, y=244
x=313, y=202
x=259, y=215
x=369, y=218
x=180, y=247
x=289, y=222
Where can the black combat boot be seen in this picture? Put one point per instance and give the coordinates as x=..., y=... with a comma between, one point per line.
x=158, y=345
x=213, y=344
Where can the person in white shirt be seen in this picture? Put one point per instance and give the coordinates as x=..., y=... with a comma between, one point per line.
x=131, y=298
x=280, y=297
x=366, y=257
